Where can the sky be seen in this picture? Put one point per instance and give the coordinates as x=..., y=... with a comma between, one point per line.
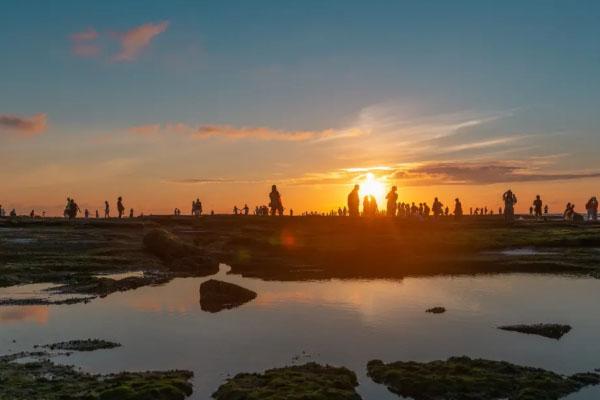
x=161, y=102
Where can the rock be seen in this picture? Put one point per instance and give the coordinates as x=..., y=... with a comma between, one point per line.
x=167, y=246
x=217, y=295
x=195, y=266
x=466, y=378
x=83, y=345
x=552, y=331
x=309, y=381
x=436, y=310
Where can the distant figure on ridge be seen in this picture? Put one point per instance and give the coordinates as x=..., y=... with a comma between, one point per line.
x=354, y=202
x=458, y=211
x=275, y=204
x=366, y=206
x=106, y=210
x=131, y=213
x=120, y=207
x=510, y=200
x=392, y=202
x=196, y=208
x=537, y=207
x=246, y=209
x=437, y=208
x=592, y=209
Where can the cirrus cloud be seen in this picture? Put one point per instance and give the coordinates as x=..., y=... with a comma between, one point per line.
x=134, y=41
x=23, y=126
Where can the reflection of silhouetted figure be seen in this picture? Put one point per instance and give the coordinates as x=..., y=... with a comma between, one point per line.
x=354, y=202
x=392, y=202
x=106, y=210
x=537, y=207
x=120, y=207
x=510, y=200
x=458, y=211
x=275, y=204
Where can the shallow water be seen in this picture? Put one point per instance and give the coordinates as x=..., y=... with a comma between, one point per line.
x=339, y=322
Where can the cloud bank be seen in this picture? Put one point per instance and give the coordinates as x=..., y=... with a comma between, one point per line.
x=23, y=126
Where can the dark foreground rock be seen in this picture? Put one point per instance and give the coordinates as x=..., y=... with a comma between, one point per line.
x=45, y=380
x=436, y=310
x=309, y=381
x=466, y=378
x=552, y=331
x=83, y=345
x=217, y=295
x=194, y=266
x=167, y=246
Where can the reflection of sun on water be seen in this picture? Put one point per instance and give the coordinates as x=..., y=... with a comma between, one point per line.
x=371, y=186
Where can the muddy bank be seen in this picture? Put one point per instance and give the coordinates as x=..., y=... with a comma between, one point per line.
x=309, y=381
x=466, y=378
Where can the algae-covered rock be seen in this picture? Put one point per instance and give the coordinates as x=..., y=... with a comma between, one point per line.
x=466, y=378
x=48, y=381
x=167, y=246
x=195, y=266
x=436, y=310
x=552, y=331
x=83, y=345
x=310, y=381
x=217, y=295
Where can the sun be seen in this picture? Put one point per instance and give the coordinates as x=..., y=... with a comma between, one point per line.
x=370, y=186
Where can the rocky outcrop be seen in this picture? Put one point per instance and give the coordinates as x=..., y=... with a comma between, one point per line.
x=217, y=295
x=168, y=247
x=552, y=331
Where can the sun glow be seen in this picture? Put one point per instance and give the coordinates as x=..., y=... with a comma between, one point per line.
x=370, y=186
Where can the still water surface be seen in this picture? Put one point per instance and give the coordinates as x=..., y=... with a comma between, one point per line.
x=340, y=322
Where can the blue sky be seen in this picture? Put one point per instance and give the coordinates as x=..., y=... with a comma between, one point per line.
x=500, y=82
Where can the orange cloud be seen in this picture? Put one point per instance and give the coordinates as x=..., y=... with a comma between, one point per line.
x=134, y=41
x=145, y=130
x=84, y=36
x=24, y=126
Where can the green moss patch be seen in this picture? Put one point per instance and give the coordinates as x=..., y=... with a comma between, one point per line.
x=310, y=382
x=466, y=378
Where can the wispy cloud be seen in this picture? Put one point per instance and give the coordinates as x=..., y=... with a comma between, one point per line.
x=229, y=132
x=24, y=126
x=134, y=41
x=84, y=43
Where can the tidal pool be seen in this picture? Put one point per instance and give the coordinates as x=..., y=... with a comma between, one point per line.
x=340, y=322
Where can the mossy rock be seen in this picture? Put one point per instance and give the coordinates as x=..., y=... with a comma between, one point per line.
x=217, y=295
x=167, y=246
x=466, y=378
x=46, y=380
x=552, y=331
x=307, y=382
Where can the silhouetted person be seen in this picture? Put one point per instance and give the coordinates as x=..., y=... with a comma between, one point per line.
x=366, y=206
x=106, y=210
x=592, y=209
x=354, y=202
x=97, y=214
x=197, y=207
x=510, y=200
x=246, y=209
x=530, y=210
x=392, y=202
x=86, y=213
x=131, y=213
x=458, y=211
x=275, y=201
x=537, y=206
x=13, y=213
x=546, y=209
x=120, y=207
x=569, y=211
x=291, y=212
x=32, y=213
x=437, y=208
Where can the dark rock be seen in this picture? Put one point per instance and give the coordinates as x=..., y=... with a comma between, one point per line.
x=44, y=301
x=167, y=246
x=217, y=295
x=436, y=310
x=83, y=345
x=466, y=378
x=309, y=381
x=552, y=331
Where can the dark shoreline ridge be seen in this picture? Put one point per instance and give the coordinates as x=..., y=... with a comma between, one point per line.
x=72, y=254
x=466, y=378
x=82, y=345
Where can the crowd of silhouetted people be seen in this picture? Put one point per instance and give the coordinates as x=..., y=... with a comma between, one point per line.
x=370, y=208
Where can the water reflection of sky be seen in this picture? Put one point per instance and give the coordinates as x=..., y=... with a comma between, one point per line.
x=339, y=322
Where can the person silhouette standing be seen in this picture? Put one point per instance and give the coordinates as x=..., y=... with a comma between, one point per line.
x=275, y=201
x=106, y=210
x=510, y=200
x=354, y=202
x=120, y=207
x=392, y=202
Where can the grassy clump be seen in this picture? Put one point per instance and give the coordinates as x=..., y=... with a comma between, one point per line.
x=310, y=381
x=466, y=378
x=552, y=331
x=46, y=380
x=83, y=345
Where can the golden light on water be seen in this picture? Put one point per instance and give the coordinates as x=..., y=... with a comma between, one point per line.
x=371, y=186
